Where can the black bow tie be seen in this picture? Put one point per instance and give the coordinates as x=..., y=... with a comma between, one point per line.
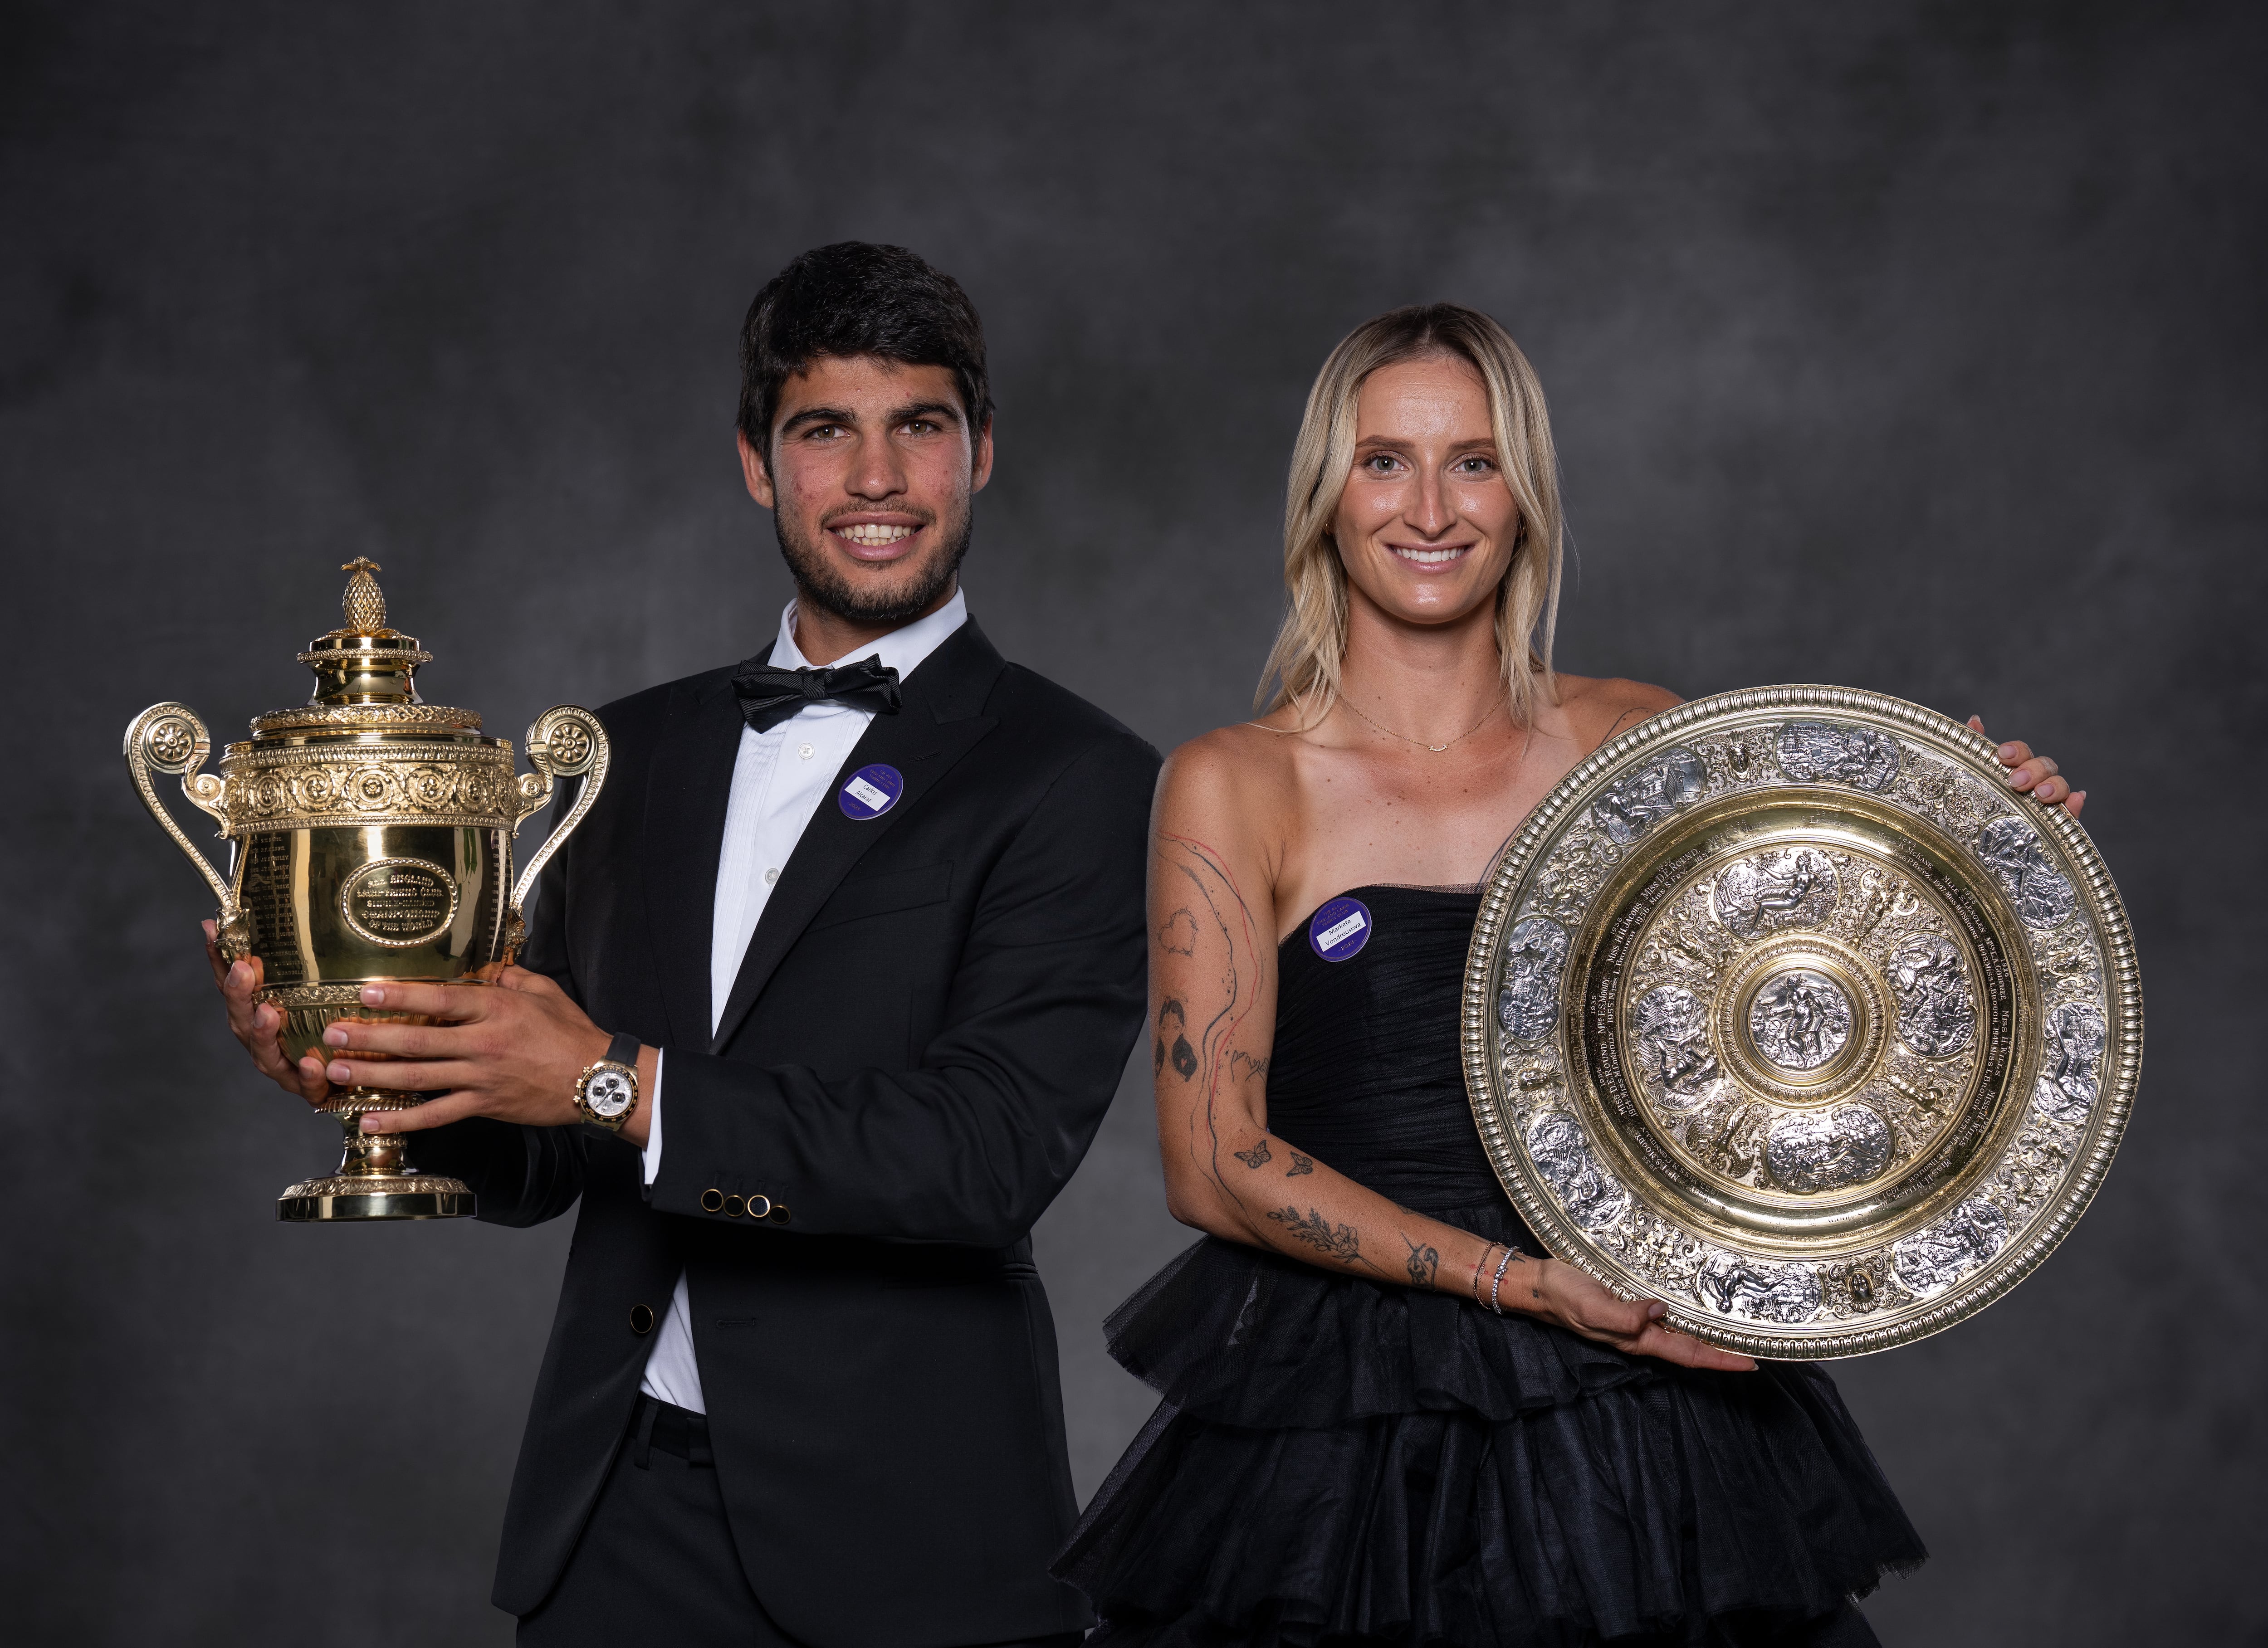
x=768, y=695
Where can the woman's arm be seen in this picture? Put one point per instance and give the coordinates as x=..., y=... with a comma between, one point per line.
x=1212, y=1021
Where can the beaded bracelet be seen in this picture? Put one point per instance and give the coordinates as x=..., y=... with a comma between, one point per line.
x=1496, y=1288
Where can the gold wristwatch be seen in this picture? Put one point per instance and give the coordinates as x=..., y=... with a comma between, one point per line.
x=607, y=1090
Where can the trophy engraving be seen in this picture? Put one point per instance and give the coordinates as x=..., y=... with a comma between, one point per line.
x=370, y=838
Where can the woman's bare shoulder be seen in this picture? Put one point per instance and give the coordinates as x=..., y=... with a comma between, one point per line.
x=1239, y=762
x=1597, y=707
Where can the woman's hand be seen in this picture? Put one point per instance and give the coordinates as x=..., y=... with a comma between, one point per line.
x=1560, y=1293
x=2037, y=776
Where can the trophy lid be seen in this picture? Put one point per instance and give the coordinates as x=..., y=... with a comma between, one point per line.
x=365, y=672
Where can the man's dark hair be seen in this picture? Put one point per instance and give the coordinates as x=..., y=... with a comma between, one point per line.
x=854, y=298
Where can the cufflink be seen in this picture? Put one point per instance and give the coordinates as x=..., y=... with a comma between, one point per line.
x=713, y=1200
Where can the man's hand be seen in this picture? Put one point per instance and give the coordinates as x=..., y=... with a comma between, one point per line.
x=1561, y=1293
x=258, y=1025
x=2036, y=776
x=511, y=1050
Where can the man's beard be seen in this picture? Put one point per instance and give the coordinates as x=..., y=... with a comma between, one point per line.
x=819, y=582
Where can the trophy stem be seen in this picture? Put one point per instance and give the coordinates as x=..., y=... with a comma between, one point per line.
x=375, y=1179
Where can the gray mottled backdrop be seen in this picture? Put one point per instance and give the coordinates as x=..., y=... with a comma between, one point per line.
x=1915, y=347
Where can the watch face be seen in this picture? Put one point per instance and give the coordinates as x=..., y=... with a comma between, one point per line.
x=610, y=1093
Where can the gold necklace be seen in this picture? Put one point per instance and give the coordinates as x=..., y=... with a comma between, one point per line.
x=1420, y=743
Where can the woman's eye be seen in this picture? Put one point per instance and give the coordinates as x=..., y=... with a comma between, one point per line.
x=1475, y=466
x=1381, y=463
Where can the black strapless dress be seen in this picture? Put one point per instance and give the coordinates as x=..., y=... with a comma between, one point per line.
x=1340, y=1462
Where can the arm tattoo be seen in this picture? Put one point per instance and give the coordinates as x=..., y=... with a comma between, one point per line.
x=1299, y=1165
x=1423, y=1262
x=1339, y=1242
x=1179, y=935
x=1185, y=1060
x=1244, y=1067
x=1216, y=912
x=1256, y=1156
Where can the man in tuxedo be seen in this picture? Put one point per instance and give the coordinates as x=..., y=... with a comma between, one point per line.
x=821, y=1006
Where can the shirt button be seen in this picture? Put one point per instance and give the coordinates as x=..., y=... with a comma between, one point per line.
x=770, y=876
x=806, y=750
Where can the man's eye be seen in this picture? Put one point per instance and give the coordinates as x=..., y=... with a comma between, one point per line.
x=921, y=426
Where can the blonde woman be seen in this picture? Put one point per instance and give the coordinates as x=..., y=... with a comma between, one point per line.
x=1356, y=1446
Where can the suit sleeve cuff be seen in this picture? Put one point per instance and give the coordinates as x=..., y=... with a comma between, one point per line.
x=652, y=1151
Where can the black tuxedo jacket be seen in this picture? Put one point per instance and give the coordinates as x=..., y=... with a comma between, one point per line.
x=926, y=1030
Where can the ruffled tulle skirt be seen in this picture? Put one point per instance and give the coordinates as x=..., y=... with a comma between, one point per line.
x=1339, y=1462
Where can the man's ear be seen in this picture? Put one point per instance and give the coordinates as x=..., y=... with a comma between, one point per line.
x=980, y=458
x=759, y=478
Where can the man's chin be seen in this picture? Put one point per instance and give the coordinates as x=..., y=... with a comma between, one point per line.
x=885, y=594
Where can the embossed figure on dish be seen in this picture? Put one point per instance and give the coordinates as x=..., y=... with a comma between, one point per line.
x=1799, y=1019
x=1678, y=1064
x=2011, y=849
x=1635, y=803
x=1937, y=1016
x=1535, y=952
x=2072, y=1071
x=1811, y=751
x=1590, y=1197
x=1934, y=1259
x=1767, y=892
x=1731, y=1284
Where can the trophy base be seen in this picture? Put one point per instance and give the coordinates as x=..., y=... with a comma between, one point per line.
x=375, y=1196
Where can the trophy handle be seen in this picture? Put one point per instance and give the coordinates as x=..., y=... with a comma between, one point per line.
x=566, y=741
x=168, y=738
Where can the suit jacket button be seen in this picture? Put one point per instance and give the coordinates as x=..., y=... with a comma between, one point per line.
x=760, y=1206
x=641, y=1321
x=779, y=1211
x=734, y=1206
x=712, y=1199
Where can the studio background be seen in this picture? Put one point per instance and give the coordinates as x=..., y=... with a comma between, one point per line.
x=1911, y=347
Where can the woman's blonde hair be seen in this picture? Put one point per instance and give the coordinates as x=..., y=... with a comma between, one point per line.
x=1303, y=667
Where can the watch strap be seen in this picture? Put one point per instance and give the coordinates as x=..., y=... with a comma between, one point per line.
x=623, y=1050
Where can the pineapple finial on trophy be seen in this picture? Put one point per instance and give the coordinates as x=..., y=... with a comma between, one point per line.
x=365, y=603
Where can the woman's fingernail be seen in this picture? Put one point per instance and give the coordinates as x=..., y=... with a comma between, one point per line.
x=373, y=1123
x=373, y=996
x=1656, y=1310
x=2008, y=752
x=335, y=1036
x=337, y=1072
x=2041, y=794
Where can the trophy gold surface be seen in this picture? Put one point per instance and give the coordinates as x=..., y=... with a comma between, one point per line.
x=1783, y=1010
x=370, y=840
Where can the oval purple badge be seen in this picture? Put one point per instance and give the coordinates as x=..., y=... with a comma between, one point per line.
x=1339, y=930
x=871, y=793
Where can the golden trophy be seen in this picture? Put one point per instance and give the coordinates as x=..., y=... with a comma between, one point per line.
x=369, y=840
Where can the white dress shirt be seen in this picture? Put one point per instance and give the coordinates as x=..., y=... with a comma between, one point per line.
x=779, y=779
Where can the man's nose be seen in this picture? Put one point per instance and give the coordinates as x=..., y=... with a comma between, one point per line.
x=878, y=473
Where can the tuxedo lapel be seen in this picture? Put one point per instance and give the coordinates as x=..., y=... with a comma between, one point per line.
x=688, y=793
x=937, y=724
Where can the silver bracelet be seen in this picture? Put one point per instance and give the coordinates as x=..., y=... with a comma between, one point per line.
x=1497, y=1286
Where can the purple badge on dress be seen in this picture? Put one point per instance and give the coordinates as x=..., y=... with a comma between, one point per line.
x=871, y=792
x=1339, y=930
